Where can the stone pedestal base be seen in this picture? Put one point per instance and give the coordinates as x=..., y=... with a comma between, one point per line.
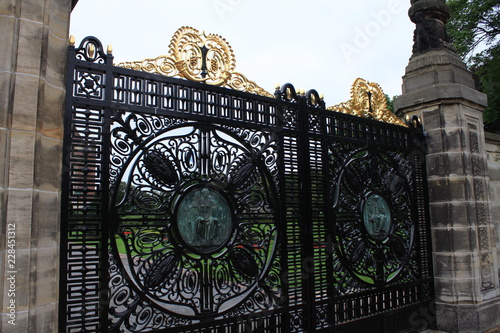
x=469, y=318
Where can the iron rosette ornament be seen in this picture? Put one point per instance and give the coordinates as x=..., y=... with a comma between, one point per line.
x=372, y=217
x=194, y=217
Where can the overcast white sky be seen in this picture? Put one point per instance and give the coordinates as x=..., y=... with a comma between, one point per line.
x=319, y=44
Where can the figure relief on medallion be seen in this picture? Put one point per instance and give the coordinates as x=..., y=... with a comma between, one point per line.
x=377, y=216
x=204, y=219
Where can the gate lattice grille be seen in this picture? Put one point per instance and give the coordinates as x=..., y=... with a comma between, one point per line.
x=194, y=208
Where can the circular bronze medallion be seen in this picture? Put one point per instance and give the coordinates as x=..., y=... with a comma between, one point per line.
x=377, y=216
x=204, y=220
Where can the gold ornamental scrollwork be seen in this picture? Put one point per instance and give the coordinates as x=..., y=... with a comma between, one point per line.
x=199, y=57
x=368, y=101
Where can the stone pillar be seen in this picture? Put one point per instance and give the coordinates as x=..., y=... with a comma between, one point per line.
x=33, y=44
x=438, y=89
x=493, y=152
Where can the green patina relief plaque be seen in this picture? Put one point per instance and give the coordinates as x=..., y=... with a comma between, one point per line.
x=377, y=216
x=204, y=220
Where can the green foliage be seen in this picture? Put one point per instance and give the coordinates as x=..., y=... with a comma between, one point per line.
x=473, y=23
x=390, y=103
x=474, y=28
x=486, y=68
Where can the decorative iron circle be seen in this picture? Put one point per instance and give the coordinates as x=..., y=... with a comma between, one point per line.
x=204, y=220
x=194, y=215
x=372, y=216
x=377, y=216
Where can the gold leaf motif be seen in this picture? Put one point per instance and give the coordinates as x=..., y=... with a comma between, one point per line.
x=367, y=101
x=189, y=50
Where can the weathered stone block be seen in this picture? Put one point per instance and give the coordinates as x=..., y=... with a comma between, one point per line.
x=447, y=164
x=435, y=141
x=29, y=47
x=454, y=240
x=32, y=10
x=446, y=317
x=494, y=173
x=21, y=168
x=3, y=254
x=19, y=212
x=450, y=214
x=414, y=83
x=457, y=290
x=47, y=175
x=45, y=318
x=3, y=229
x=454, y=140
x=467, y=290
x=49, y=117
x=45, y=219
x=444, y=289
x=436, y=165
x=468, y=317
x=9, y=8
x=467, y=320
x=436, y=93
x=447, y=189
x=431, y=119
x=6, y=85
x=57, y=18
x=451, y=116
x=45, y=272
x=22, y=323
x=22, y=279
x=55, y=70
x=8, y=42
x=25, y=102
x=4, y=156
x=455, y=265
x=489, y=315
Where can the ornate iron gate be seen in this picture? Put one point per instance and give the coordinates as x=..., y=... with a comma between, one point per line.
x=189, y=207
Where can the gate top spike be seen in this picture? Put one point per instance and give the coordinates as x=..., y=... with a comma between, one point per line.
x=186, y=59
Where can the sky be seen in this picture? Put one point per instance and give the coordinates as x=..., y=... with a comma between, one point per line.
x=314, y=44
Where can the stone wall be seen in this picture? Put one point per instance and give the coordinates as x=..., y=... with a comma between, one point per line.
x=33, y=43
x=493, y=152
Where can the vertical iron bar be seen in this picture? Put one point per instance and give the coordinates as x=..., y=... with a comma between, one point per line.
x=330, y=240
x=106, y=201
x=63, y=271
x=306, y=215
x=284, y=303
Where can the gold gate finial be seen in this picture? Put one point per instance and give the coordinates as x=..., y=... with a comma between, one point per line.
x=199, y=57
x=368, y=101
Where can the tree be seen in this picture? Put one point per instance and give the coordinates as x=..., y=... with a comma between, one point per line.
x=474, y=28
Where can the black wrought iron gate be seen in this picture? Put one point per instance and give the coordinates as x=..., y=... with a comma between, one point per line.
x=189, y=207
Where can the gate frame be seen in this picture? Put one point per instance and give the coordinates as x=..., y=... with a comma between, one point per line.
x=301, y=106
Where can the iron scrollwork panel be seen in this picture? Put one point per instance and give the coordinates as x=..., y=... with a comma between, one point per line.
x=194, y=222
x=372, y=219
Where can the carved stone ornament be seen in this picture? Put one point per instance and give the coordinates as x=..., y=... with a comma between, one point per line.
x=430, y=17
x=368, y=101
x=199, y=57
